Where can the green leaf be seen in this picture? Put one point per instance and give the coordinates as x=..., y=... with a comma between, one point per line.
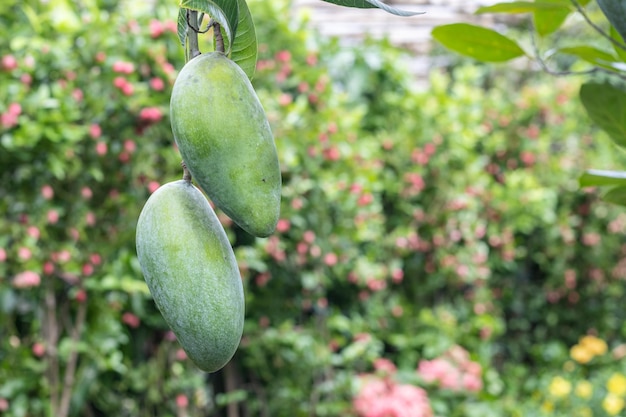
x=606, y=106
x=372, y=4
x=181, y=27
x=616, y=195
x=547, y=21
x=615, y=12
x=521, y=7
x=477, y=42
x=244, y=51
x=225, y=12
x=621, y=53
x=599, y=178
x=593, y=55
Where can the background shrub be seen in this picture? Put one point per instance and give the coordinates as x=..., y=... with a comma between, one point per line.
x=437, y=227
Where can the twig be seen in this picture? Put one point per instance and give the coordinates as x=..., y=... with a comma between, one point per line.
x=232, y=409
x=544, y=65
x=70, y=369
x=597, y=28
x=51, y=334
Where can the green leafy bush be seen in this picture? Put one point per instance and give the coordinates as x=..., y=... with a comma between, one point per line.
x=417, y=227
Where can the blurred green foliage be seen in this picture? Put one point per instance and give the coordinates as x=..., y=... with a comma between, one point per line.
x=413, y=222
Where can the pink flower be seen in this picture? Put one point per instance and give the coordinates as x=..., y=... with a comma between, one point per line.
x=33, y=231
x=53, y=216
x=331, y=259
x=119, y=82
x=150, y=114
x=131, y=320
x=170, y=26
x=48, y=268
x=77, y=94
x=24, y=253
x=47, y=192
x=283, y=225
x=127, y=89
x=182, y=401
x=87, y=269
x=3, y=255
x=156, y=28
x=39, y=349
x=15, y=109
x=8, y=120
x=101, y=148
x=26, y=279
x=153, y=186
x=86, y=193
x=9, y=62
x=283, y=56
x=472, y=383
x=453, y=370
x=157, y=84
x=385, y=366
x=123, y=67
x=130, y=146
x=309, y=236
x=386, y=398
x=95, y=131
x=95, y=258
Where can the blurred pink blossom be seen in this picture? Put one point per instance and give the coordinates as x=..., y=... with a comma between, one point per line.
x=26, y=279
x=182, y=401
x=153, y=186
x=33, y=231
x=95, y=131
x=131, y=320
x=331, y=259
x=157, y=84
x=385, y=366
x=385, y=398
x=47, y=192
x=9, y=62
x=24, y=253
x=283, y=225
x=123, y=67
x=150, y=114
x=453, y=370
x=101, y=148
x=156, y=28
x=53, y=216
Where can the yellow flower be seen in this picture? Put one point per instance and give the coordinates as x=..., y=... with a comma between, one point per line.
x=584, y=389
x=594, y=344
x=547, y=406
x=559, y=387
x=585, y=412
x=581, y=354
x=613, y=404
x=617, y=384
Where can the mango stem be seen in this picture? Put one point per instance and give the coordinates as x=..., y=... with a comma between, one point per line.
x=186, y=173
x=219, y=40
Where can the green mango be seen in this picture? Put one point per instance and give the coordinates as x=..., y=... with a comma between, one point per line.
x=225, y=139
x=191, y=271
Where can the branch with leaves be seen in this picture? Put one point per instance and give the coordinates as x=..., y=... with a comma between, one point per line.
x=605, y=102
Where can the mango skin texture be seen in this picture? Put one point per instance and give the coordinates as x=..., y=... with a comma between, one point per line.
x=224, y=137
x=192, y=274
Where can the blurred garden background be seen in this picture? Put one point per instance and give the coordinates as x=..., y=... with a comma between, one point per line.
x=435, y=255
